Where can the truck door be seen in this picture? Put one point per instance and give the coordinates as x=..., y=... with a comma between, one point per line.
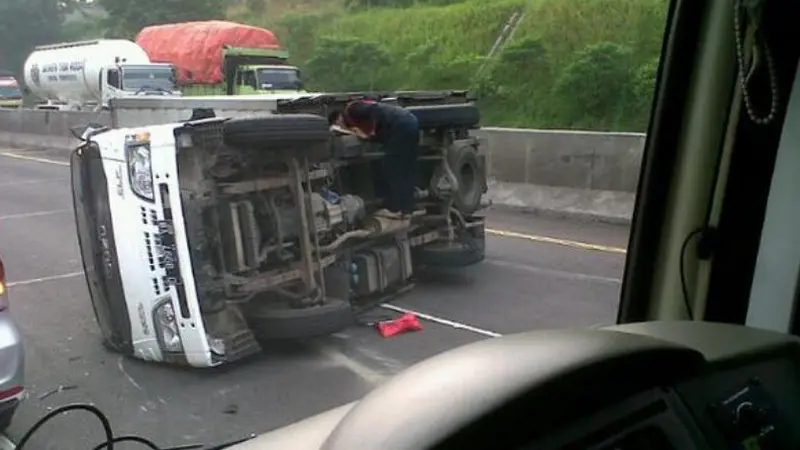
x=245, y=81
x=113, y=78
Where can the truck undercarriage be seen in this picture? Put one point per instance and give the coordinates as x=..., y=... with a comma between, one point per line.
x=261, y=227
x=278, y=216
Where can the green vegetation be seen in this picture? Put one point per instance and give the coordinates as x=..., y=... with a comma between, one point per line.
x=587, y=64
x=26, y=23
x=579, y=64
x=126, y=18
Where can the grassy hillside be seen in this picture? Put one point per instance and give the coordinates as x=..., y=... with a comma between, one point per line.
x=571, y=63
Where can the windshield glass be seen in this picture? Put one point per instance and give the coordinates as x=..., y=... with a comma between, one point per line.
x=204, y=260
x=278, y=78
x=148, y=78
x=10, y=92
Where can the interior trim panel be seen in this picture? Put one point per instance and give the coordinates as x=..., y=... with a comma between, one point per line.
x=647, y=386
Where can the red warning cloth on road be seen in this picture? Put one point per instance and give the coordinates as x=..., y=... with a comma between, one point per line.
x=403, y=324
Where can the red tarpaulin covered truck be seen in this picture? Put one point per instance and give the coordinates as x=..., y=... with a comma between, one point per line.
x=220, y=57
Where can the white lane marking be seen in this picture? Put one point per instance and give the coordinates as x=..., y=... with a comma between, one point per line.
x=33, y=181
x=45, y=279
x=34, y=214
x=367, y=373
x=121, y=368
x=556, y=241
x=552, y=272
x=442, y=321
x=33, y=158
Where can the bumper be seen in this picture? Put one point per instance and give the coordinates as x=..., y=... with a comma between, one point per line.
x=12, y=368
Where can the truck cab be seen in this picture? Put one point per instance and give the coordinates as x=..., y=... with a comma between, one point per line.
x=10, y=93
x=123, y=80
x=268, y=79
x=259, y=71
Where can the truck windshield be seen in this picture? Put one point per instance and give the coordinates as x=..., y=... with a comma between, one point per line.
x=278, y=78
x=11, y=92
x=148, y=78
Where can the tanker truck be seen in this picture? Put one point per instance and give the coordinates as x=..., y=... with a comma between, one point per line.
x=78, y=75
x=222, y=58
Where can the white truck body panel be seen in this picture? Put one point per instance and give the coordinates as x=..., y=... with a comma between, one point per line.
x=133, y=251
x=74, y=73
x=143, y=111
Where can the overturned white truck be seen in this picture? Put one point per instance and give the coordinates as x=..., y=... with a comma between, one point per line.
x=202, y=239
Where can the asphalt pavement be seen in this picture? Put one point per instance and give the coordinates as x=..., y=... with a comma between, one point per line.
x=539, y=273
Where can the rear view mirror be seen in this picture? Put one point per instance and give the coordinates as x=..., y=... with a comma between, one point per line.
x=85, y=132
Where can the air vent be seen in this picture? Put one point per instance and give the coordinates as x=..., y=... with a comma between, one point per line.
x=148, y=244
x=149, y=216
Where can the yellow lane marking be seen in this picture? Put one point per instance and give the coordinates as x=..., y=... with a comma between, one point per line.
x=556, y=241
x=502, y=233
x=33, y=158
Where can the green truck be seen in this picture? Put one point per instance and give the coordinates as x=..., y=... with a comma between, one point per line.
x=222, y=58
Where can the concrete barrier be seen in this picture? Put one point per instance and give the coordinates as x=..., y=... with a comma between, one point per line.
x=586, y=174
x=576, y=173
x=44, y=129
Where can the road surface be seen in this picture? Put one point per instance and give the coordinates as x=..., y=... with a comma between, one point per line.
x=539, y=273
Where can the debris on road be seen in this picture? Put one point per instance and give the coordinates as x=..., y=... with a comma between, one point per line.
x=61, y=388
x=231, y=409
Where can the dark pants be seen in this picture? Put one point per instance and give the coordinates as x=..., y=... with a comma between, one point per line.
x=400, y=163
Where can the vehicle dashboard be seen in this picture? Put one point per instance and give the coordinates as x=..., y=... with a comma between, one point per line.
x=655, y=386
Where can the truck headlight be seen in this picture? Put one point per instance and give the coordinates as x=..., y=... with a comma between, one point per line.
x=169, y=338
x=140, y=170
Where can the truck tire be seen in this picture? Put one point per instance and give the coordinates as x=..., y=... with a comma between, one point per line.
x=441, y=116
x=275, y=131
x=463, y=161
x=275, y=322
x=466, y=250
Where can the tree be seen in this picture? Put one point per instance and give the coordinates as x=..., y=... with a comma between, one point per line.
x=25, y=24
x=596, y=86
x=347, y=64
x=126, y=18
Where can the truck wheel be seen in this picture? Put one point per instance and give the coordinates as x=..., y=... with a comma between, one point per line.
x=467, y=249
x=269, y=321
x=441, y=116
x=463, y=160
x=275, y=131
